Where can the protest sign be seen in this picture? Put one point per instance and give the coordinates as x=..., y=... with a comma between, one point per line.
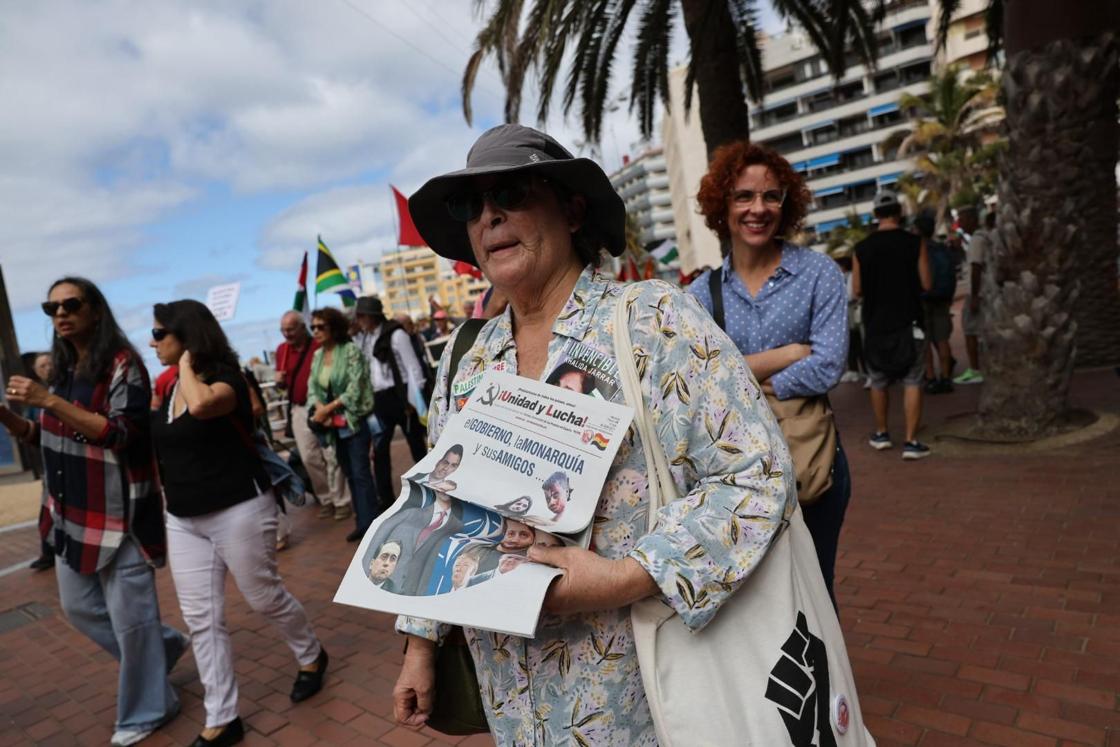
x=523, y=463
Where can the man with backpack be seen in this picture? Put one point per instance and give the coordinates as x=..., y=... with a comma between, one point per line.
x=394, y=369
x=889, y=272
x=936, y=303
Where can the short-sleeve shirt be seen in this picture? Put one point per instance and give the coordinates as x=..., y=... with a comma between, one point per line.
x=210, y=464
x=287, y=359
x=889, y=281
x=978, y=248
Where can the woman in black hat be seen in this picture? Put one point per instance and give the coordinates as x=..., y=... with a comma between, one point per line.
x=535, y=219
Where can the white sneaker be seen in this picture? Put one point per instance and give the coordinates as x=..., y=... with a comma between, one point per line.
x=125, y=737
x=849, y=377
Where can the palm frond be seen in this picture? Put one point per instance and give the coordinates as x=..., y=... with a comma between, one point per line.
x=745, y=16
x=595, y=92
x=945, y=11
x=551, y=54
x=651, y=61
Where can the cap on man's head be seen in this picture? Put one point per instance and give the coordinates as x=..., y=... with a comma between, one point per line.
x=885, y=199
x=441, y=314
x=370, y=306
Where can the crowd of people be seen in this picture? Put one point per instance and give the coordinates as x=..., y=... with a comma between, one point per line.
x=136, y=476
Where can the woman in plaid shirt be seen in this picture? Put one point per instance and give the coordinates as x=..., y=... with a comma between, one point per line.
x=104, y=512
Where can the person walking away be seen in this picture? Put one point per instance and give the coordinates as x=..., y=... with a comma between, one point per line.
x=396, y=375
x=936, y=308
x=37, y=367
x=784, y=306
x=104, y=513
x=341, y=400
x=221, y=513
x=416, y=428
x=976, y=251
x=293, y=368
x=890, y=271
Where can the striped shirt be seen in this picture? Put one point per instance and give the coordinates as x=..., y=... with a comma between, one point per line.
x=101, y=490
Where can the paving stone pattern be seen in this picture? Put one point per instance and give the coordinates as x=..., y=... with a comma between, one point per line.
x=980, y=597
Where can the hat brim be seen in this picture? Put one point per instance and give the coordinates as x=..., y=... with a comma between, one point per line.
x=447, y=237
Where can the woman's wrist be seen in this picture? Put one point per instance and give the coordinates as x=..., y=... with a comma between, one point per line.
x=419, y=648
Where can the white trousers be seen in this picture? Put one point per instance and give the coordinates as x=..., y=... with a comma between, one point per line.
x=242, y=540
x=327, y=479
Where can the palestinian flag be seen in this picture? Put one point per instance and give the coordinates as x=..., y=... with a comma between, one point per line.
x=665, y=252
x=300, y=302
x=329, y=278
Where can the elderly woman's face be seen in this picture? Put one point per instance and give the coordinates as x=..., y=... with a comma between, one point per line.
x=523, y=244
x=754, y=207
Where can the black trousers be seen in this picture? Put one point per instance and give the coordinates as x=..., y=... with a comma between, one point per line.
x=825, y=517
x=390, y=410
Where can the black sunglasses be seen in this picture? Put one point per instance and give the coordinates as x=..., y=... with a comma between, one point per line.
x=315, y=327
x=509, y=194
x=158, y=333
x=69, y=305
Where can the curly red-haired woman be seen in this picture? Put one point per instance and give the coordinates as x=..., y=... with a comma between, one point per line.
x=783, y=305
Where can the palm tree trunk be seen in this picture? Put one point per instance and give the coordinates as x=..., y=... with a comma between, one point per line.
x=1056, y=186
x=724, y=115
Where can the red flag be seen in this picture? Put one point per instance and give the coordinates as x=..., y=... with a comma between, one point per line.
x=407, y=233
x=651, y=269
x=466, y=268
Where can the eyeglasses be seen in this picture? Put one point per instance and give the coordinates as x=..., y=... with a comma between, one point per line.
x=317, y=327
x=770, y=197
x=69, y=305
x=158, y=333
x=510, y=194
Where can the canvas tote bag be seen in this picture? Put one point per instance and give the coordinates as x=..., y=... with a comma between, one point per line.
x=771, y=668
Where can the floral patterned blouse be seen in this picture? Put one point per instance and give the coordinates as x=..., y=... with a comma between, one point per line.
x=578, y=681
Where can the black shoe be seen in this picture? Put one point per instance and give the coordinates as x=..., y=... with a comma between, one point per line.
x=231, y=733
x=42, y=563
x=355, y=535
x=309, y=683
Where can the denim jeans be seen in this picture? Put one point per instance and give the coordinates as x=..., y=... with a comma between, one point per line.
x=117, y=608
x=391, y=411
x=353, y=457
x=825, y=517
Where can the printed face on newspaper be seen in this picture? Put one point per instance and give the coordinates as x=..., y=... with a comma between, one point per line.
x=522, y=463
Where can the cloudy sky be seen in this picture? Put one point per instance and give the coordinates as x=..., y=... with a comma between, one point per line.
x=162, y=148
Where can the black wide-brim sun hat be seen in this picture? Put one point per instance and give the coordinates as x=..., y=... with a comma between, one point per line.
x=509, y=149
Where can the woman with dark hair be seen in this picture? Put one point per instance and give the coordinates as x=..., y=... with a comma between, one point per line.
x=516, y=507
x=340, y=398
x=784, y=306
x=103, y=513
x=221, y=512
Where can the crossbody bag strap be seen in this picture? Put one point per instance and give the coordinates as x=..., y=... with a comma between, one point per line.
x=715, y=285
x=662, y=489
x=468, y=333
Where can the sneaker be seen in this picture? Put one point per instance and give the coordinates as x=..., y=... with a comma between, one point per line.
x=880, y=441
x=849, y=377
x=970, y=376
x=126, y=737
x=326, y=511
x=915, y=450
x=342, y=512
x=867, y=383
x=939, y=386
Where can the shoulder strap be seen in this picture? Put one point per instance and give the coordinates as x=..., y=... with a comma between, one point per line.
x=468, y=333
x=662, y=489
x=715, y=285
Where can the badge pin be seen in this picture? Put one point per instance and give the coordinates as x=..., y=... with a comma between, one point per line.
x=841, y=715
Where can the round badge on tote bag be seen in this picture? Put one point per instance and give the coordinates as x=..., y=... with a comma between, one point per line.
x=841, y=715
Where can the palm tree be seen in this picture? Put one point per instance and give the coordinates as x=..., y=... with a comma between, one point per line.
x=725, y=63
x=1051, y=279
x=843, y=239
x=946, y=134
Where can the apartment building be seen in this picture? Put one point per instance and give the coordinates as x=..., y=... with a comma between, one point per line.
x=409, y=277
x=643, y=183
x=833, y=131
x=967, y=40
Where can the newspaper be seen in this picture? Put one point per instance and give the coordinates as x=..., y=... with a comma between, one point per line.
x=523, y=463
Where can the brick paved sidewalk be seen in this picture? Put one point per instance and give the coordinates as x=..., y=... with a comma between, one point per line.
x=980, y=598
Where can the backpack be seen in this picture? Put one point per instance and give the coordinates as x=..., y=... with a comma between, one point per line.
x=944, y=273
